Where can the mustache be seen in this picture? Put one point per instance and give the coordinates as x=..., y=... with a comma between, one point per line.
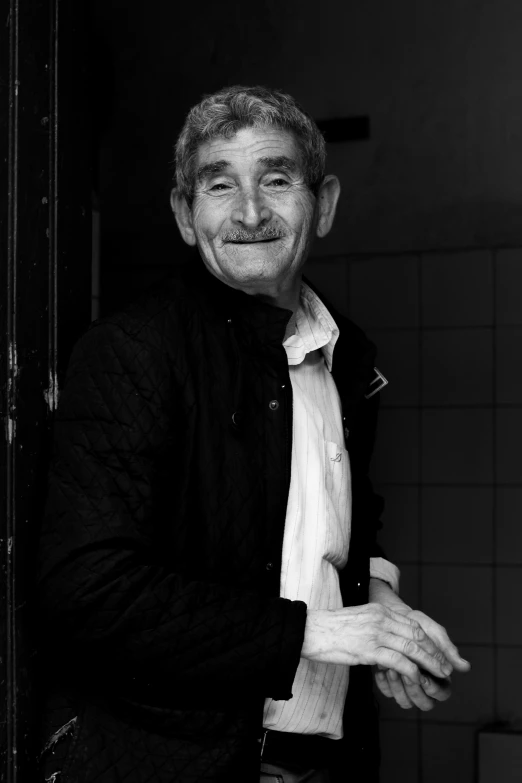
x=241, y=235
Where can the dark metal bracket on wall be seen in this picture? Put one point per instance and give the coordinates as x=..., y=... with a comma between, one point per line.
x=45, y=268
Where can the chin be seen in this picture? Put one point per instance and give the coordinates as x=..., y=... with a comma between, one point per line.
x=252, y=273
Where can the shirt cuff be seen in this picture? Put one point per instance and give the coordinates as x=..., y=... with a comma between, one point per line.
x=383, y=569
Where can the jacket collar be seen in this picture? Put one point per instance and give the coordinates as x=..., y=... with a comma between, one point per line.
x=267, y=322
x=353, y=368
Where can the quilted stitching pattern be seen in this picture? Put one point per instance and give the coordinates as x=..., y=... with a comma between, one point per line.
x=158, y=525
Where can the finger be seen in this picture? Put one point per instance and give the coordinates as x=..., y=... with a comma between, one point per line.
x=450, y=650
x=417, y=695
x=382, y=683
x=434, y=662
x=439, y=634
x=397, y=689
x=408, y=694
x=436, y=688
x=388, y=658
x=412, y=630
x=452, y=654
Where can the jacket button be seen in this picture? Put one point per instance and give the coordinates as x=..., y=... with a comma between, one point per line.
x=273, y=405
x=269, y=566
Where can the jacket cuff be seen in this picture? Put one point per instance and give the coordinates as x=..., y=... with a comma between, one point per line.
x=292, y=637
x=386, y=571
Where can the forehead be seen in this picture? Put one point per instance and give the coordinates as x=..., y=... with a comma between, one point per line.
x=248, y=148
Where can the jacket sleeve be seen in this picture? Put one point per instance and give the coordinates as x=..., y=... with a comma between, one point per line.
x=104, y=588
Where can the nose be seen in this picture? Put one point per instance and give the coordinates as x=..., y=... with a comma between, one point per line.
x=251, y=210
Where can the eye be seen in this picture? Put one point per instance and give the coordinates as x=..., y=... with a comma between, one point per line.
x=278, y=182
x=219, y=187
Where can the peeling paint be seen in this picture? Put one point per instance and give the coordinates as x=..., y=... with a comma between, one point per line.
x=13, y=358
x=51, y=394
x=14, y=369
x=10, y=428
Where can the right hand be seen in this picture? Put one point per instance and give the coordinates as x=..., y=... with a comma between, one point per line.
x=372, y=634
x=409, y=694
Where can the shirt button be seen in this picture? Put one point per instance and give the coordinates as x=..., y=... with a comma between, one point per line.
x=269, y=566
x=273, y=405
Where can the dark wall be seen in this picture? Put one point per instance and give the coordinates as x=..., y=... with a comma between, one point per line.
x=425, y=254
x=440, y=83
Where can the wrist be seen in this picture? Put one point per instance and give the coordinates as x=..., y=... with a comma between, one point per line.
x=312, y=634
x=381, y=593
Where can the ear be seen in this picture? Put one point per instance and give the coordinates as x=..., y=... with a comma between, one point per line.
x=183, y=215
x=327, y=198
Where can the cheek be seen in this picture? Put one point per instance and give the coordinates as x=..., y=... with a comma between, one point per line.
x=206, y=221
x=297, y=211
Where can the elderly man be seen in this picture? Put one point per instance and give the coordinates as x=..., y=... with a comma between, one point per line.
x=210, y=579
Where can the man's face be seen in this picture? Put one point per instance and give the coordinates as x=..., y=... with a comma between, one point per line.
x=253, y=216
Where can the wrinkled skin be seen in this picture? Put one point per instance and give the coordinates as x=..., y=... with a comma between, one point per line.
x=253, y=217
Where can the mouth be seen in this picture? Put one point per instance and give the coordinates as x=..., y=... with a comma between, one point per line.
x=253, y=241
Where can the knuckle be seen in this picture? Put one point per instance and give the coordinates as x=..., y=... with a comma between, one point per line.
x=418, y=633
x=411, y=648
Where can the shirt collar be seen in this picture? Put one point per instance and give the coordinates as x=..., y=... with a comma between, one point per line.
x=314, y=329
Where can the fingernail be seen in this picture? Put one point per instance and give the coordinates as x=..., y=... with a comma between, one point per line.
x=425, y=682
x=407, y=680
x=447, y=669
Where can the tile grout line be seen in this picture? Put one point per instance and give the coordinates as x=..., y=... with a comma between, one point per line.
x=494, y=543
x=455, y=485
x=480, y=406
x=372, y=329
x=458, y=564
x=420, y=769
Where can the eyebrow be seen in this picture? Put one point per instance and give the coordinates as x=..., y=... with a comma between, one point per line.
x=282, y=162
x=211, y=168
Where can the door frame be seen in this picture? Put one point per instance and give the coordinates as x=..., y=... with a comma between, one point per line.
x=45, y=304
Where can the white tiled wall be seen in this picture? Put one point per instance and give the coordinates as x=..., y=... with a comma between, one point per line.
x=448, y=461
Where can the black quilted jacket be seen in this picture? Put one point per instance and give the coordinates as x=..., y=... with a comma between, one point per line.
x=161, y=543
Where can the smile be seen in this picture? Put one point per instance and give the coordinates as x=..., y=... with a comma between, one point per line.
x=253, y=241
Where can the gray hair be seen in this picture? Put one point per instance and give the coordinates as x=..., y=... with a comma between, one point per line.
x=226, y=112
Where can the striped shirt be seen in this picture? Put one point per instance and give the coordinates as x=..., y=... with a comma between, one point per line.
x=317, y=526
